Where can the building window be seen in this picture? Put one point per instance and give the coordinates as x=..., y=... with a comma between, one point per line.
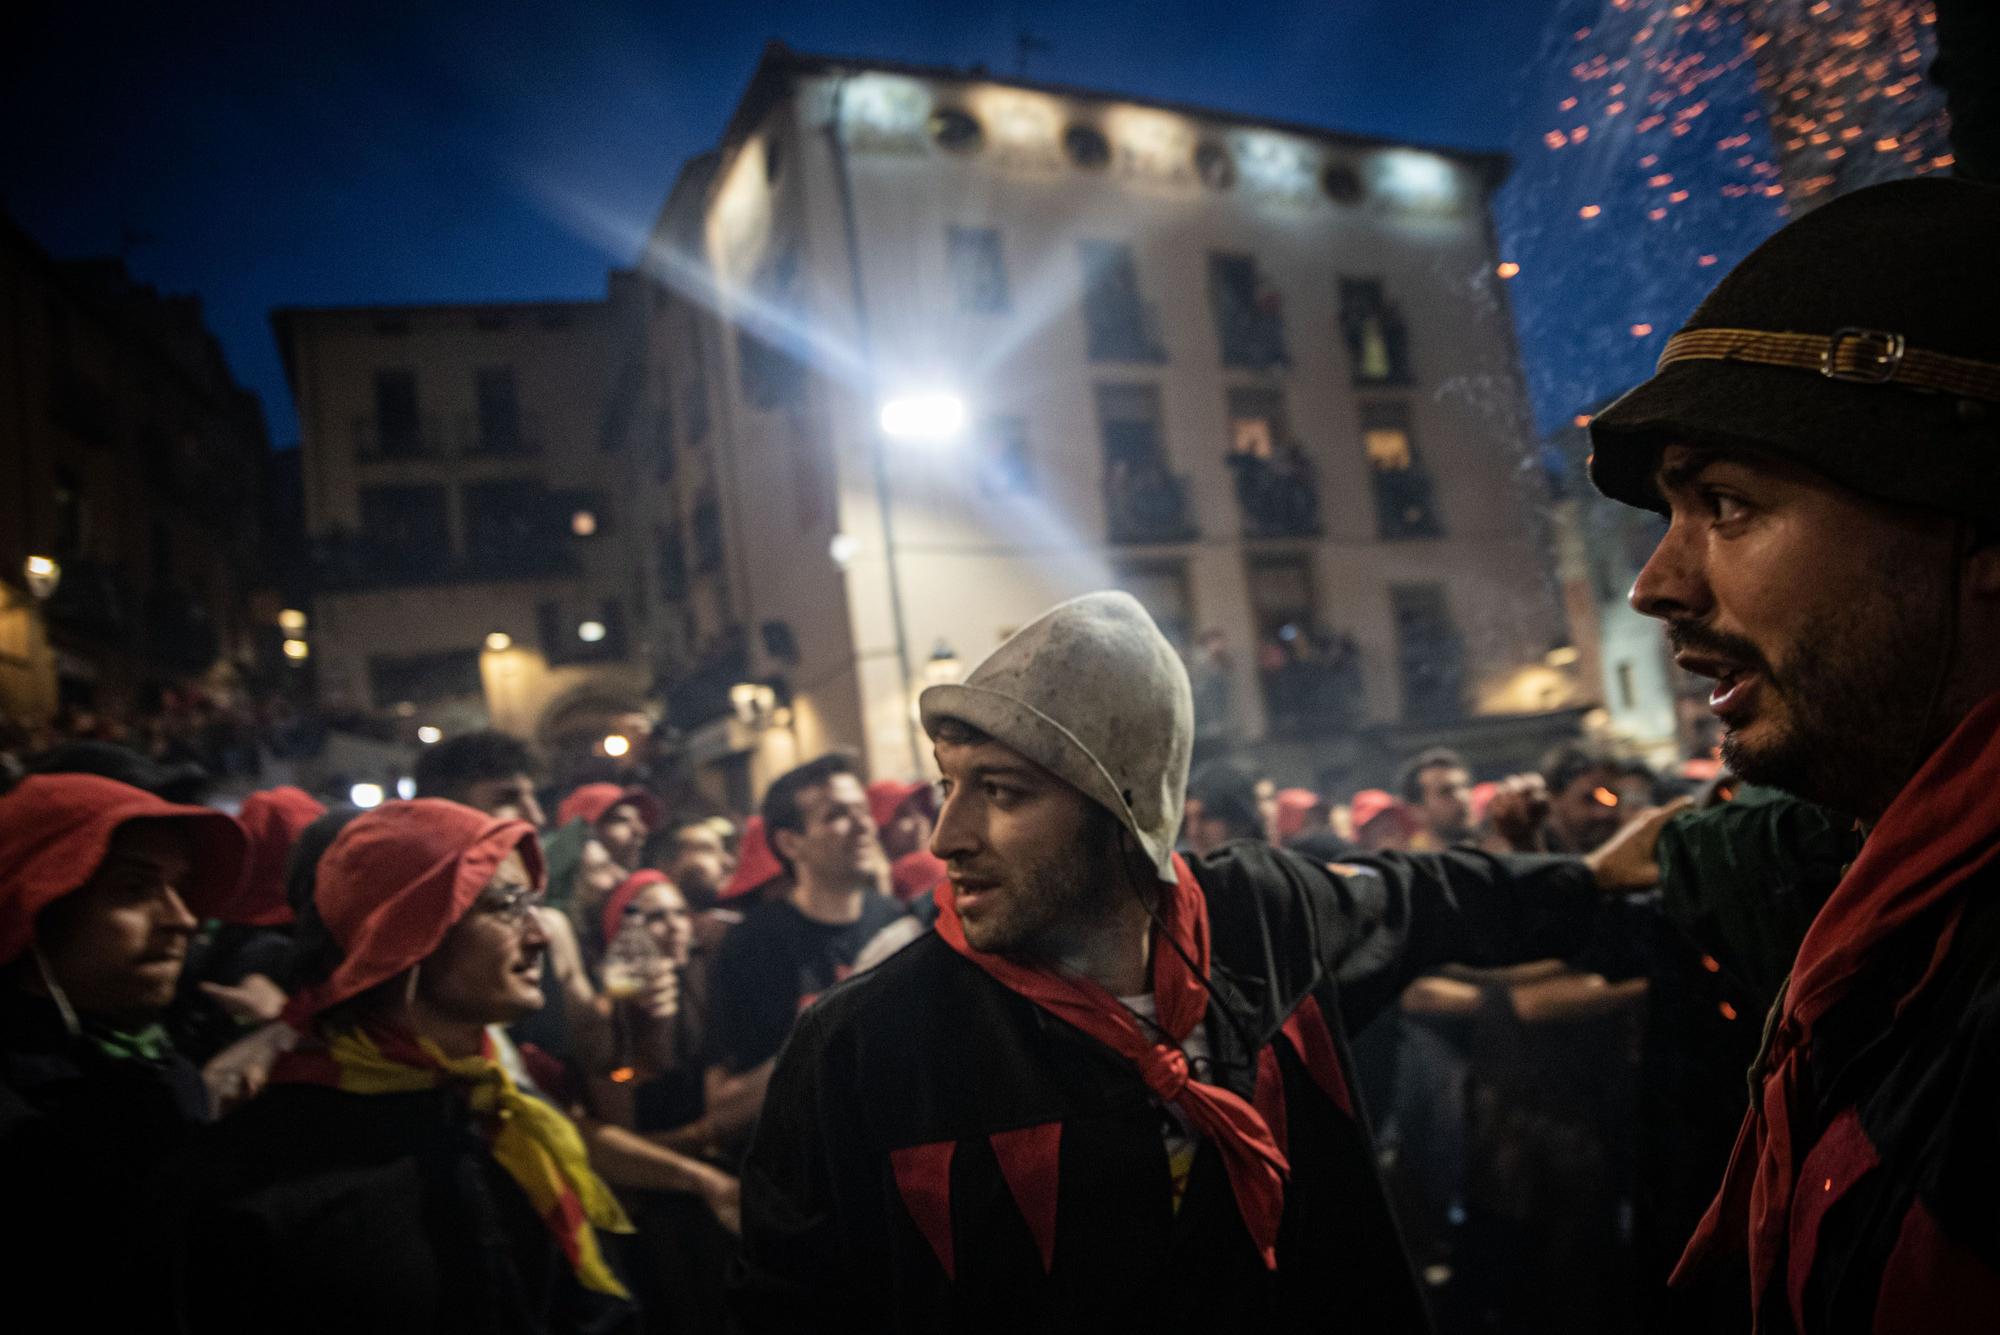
x=694, y=409
x=1120, y=325
x=1430, y=653
x=665, y=458
x=1627, y=696
x=673, y=563
x=707, y=536
x=499, y=412
x=398, y=428
x=1404, y=504
x=406, y=527
x=978, y=274
x=1376, y=341
x=1162, y=589
x=516, y=528
x=1274, y=482
x=422, y=679
x=1249, y=318
x=772, y=372
x=1310, y=678
x=1144, y=500
x=1004, y=466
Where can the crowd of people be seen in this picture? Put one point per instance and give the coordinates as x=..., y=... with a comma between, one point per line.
x=1086, y=1036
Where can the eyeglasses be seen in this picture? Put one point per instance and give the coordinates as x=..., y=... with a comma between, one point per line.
x=514, y=907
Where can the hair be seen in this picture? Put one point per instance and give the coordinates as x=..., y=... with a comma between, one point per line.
x=1227, y=792
x=781, y=800
x=1570, y=761
x=1410, y=779
x=451, y=768
x=662, y=843
x=957, y=732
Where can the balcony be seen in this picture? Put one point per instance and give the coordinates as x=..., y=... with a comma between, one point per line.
x=347, y=562
x=1276, y=495
x=1312, y=685
x=1144, y=503
x=1123, y=330
x=701, y=694
x=438, y=436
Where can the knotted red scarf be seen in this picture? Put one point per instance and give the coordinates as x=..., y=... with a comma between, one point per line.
x=1942, y=831
x=1257, y=1168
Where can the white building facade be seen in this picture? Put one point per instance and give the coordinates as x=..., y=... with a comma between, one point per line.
x=1261, y=376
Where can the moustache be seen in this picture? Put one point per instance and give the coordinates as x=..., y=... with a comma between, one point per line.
x=1696, y=638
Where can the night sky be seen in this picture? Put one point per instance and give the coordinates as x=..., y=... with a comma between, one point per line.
x=263, y=156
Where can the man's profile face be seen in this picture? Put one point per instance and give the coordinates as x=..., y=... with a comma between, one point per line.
x=116, y=946
x=1032, y=868
x=509, y=798
x=622, y=831
x=1819, y=614
x=1447, y=801
x=701, y=865
x=488, y=968
x=1589, y=811
x=837, y=844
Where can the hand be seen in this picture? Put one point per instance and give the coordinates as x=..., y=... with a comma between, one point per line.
x=255, y=1000
x=1518, y=810
x=1629, y=861
x=660, y=999
x=238, y=1072
x=724, y=1197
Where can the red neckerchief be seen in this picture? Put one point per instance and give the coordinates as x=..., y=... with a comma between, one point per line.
x=1942, y=830
x=1257, y=1167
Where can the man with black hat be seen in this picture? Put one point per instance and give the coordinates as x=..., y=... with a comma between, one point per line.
x=1824, y=436
x=1111, y=1091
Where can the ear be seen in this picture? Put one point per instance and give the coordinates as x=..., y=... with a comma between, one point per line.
x=787, y=843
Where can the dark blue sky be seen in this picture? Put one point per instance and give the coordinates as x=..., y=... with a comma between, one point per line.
x=265, y=155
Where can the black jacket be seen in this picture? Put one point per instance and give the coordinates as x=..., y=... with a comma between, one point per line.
x=928, y=1050
x=311, y=1209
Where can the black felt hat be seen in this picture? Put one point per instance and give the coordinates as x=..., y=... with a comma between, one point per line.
x=1862, y=340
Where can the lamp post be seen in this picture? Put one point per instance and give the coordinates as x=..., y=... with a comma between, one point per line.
x=930, y=416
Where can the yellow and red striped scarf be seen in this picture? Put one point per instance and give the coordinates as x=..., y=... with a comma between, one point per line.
x=537, y=1146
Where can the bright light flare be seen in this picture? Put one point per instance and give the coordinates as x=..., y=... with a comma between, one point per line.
x=616, y=745
x=292, y=621
x=499, y=642
x=590, y=632
x=430, y=735
x=365, y=795
x=297, y=650
x=932, y=418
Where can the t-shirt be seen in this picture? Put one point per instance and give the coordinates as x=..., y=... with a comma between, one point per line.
x=1179, y=1133
x=774, y=966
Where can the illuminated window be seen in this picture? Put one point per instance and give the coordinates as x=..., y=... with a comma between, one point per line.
x=1404, y=504
x=978, y=273
x=1376, y=342
x=1274, y=482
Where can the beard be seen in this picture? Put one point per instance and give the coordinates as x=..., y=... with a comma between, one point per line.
x=1854, y=710
x=1048, y=904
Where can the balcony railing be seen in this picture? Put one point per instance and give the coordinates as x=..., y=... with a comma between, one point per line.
x=1147, y=504
x=1277, y=495
x=1312, y=689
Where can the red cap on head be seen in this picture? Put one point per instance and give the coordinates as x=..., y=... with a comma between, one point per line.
x=887, y=796
x=756, y=864
x=396, y=880
x=1295, y=806
x=56, y=828
x=1373, y=804
x=627, y=891
x=272, y=821
x=591, y=802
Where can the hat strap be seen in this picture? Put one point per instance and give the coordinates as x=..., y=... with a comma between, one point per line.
x=56, y=994
x=1860, y=356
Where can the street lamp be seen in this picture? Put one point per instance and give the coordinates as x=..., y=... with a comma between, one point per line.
x=292, y=621
x=932, y=417
x=43, y=574
x=297, y=650
x=430, y=735
x=499, y=642
x=590, y=632
x=617, y=745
